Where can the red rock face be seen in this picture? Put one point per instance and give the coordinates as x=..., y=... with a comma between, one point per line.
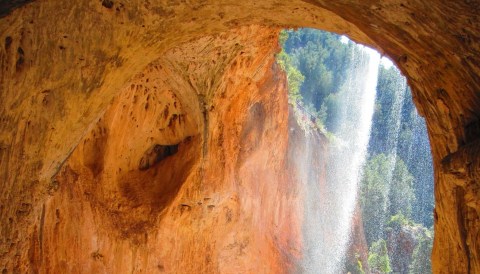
x=177, y=177
x=358, y=247
x=62, y=65
x=401, y=243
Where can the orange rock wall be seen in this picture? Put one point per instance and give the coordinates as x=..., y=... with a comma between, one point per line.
x=225, y=202
x=63, y=64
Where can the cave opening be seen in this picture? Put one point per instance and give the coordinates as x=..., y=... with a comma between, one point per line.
x=70, y=73
x=360, y=101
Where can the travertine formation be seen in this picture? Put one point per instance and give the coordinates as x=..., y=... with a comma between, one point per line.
x=75, y=83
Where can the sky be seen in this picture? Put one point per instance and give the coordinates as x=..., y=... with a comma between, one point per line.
x=385, y=61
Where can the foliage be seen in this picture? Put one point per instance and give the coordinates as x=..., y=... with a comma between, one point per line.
x=396, y=223
x=294, y=76
x=374, y=196
x=282, y=38
x=323, y=60
x=355, y=265
x=310, y=60
x=380, y=199
x=388, y=84
x=397, y=185
x=421, y=256
x=399, y=220
x=360, y=267
x=419, y=261
x=378, y=257
x=401, y=195
x=412, y=146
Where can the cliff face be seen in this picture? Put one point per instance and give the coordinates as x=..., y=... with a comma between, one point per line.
x=62, y=65
x=357, y=252
x=179, y=174
x=401, y=244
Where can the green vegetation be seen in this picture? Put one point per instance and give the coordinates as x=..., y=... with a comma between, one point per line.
x=421, y=256
x=294, y=77
x=399, y=201
x=378, y=257
x=374, y=196
x=398, y=221
x=380, y=199
x=401, y=195
x=355, y=266
x=315, y=63
x=396, y=191
x=360, y=267
x=413, y=149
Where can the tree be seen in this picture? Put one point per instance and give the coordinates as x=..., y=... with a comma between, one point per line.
x=331, y=107
x=397, y=183
x=374, y=196
x=387, y=104
x=322, y=59
x=378, y=257
x=401, y=195
x=421, y=263
x=310, y=60
x=294, y=76
x=412, y=142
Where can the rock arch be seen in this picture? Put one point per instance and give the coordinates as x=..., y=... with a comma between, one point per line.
x=63, y=64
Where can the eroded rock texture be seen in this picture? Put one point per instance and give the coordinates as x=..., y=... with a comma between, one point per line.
x=164, y=179
x=66, y=67
x=179, y=175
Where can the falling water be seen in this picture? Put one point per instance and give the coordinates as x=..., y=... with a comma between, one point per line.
x=329, y=208
x=423, y=170
x=418, y=147
x=390, y=137
x=393, y=129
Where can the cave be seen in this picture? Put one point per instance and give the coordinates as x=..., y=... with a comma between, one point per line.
x=88, y=88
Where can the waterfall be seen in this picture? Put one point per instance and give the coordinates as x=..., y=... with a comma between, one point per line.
x=380, y=165
x=329, y=207
x=423, y=170
x=391, y=136
x=418, y=147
